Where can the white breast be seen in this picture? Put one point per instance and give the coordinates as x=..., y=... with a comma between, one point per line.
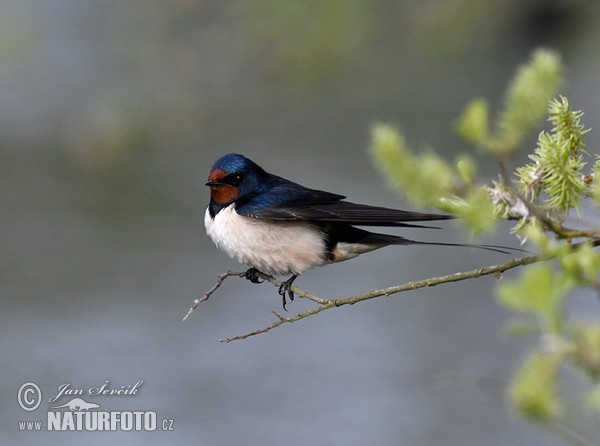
x=273, y=247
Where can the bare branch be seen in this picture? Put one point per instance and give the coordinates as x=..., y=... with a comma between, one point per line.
x=215, y=287
x=221, y=278
x=282, y=320
x=326, y=304
x=297, y=291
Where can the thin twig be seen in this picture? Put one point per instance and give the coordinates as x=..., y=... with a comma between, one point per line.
x=215, y=287
x=297, y=291
x=281, y=320
x=409, y=286
x=221, y=278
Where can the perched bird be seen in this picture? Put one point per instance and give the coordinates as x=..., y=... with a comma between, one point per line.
x=279, y=227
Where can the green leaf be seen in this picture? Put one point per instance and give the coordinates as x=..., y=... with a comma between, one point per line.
x=423, y=178
x=533, y=388
x=586, y=344
x=540, y=291
x=477, y=212
x=581, y=264
x=473, y=125
x=467, y=169
x=527, y=100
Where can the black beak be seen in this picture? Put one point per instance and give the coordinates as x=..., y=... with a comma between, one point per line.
x=213, y=183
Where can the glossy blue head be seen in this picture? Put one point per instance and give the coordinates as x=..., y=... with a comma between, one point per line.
x=234, y=177
x=233, y=163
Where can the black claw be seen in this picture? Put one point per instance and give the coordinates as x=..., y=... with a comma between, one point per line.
x=253, y=275
x=285, y=288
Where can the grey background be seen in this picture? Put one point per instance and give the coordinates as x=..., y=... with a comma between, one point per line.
x=111, y=114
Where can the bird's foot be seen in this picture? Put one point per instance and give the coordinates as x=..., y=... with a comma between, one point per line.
x=285, y=288
x=253, y=275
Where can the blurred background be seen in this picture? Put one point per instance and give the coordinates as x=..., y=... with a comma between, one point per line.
x=111, y=115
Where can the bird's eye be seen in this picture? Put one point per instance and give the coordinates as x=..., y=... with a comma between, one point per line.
x=232, y=179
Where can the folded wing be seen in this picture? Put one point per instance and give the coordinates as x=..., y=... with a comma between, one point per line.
x=293, y=202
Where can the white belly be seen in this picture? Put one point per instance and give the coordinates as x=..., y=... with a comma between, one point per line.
x=273, y=247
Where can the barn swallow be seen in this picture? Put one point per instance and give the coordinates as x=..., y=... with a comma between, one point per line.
x=279, y=227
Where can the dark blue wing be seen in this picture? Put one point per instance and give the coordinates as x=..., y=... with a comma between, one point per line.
x=286, y=201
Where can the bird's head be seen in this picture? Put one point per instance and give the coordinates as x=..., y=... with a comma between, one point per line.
x=232, y=178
